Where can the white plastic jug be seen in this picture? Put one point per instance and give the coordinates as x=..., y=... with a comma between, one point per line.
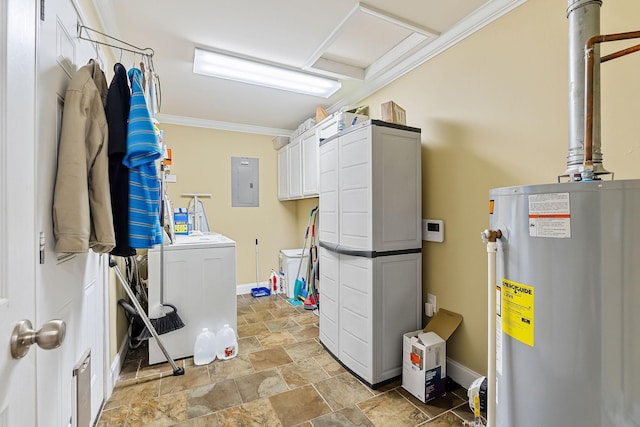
x=227, y=343
x=204, y=350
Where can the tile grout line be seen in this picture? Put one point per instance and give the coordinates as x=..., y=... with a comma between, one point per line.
x=374, y=396
x=282, y=378
x=430, y=417
x=323, y=399
x=323, y=369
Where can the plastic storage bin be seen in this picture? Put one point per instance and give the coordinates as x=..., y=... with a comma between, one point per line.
x=204, y=350
x=289, y=263
x=227, y=343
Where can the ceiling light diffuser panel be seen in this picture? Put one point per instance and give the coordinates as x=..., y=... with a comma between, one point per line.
x=223, y=66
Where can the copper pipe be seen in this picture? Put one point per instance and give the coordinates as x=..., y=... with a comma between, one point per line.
x=620, y=53
x=589, y=62
x=492, y=235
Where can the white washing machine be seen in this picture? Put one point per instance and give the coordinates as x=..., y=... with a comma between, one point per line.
x=200, y=280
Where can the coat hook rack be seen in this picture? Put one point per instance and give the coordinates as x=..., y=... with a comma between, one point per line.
x=145, y=51
x=146, y=54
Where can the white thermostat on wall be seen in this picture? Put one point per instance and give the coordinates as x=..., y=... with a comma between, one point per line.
x=433, y=230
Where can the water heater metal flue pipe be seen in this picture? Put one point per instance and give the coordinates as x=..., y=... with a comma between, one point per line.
x=584, y=23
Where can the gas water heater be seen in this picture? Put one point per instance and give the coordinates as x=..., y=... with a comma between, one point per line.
x=567, y=317
x=566, y=276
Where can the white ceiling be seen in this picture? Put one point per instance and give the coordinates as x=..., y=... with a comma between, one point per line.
x=365, y=45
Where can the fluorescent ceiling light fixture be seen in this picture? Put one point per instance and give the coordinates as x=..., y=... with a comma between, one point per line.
x=232, y=68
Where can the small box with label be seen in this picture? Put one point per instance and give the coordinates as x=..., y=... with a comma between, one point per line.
x=181, y=221
x=424, y=357
x=393, y=113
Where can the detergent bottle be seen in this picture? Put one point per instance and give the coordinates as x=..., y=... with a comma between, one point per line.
x=273, y=282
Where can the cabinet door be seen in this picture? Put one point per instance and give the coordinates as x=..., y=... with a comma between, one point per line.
x=310, y=148
x=283, y=173
x=295, y=169
x=356, y=345
x=396, y=163
x=355, y=190
x=397, y=295
x=329, y=289
x=328, y=205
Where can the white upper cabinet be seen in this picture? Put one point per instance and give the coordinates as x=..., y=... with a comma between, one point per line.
x=295, y=169
x=310, y=146
x=298, y=162
x=283, y=173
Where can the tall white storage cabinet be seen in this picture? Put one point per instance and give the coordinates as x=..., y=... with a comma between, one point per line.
x=200, y=280
x=370, y=246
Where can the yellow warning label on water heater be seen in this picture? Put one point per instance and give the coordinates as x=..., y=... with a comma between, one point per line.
x=517, y=308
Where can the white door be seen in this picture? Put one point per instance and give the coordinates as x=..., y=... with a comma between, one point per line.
x=70, y=288
x=17, y=206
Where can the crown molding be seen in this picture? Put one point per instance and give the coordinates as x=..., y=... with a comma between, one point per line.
x=213, y=124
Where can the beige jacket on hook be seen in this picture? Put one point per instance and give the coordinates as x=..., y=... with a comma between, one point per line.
x=82, y=217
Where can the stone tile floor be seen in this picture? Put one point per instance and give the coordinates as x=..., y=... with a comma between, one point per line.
x=282, y=376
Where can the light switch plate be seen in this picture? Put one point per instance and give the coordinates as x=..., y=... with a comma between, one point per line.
x=433, y=230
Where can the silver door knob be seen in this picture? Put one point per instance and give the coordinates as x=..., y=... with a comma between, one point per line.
x=50, y=336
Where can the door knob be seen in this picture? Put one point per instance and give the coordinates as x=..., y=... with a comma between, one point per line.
x=50, y=336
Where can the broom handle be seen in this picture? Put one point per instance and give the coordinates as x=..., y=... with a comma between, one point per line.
x=162, y=185
x=144, y=317
x=257, y=282
x=304, y=245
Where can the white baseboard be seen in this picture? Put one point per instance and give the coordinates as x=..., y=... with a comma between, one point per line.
x=246, y=288
x=460, y=373
x=116, y=366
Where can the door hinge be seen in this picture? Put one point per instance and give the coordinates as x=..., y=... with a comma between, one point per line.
x=42, y=247
x=42, y=10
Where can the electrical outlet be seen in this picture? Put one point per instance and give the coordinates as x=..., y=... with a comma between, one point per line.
x=431, y=299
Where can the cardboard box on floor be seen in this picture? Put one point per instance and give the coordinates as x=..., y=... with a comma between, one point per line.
x=424, y=356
